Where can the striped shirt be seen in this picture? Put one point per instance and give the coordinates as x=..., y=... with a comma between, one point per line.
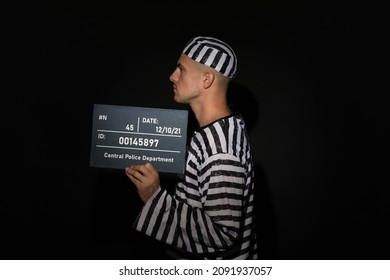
x=210, y=215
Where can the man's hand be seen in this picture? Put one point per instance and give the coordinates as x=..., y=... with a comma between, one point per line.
x=146, y=178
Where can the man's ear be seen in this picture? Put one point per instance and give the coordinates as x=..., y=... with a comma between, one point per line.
x=208, y=79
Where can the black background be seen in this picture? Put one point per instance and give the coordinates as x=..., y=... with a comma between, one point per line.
x=307, y=85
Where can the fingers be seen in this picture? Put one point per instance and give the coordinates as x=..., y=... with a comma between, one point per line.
x=150, y=168
x=145, y=177
x=138, y=170
x=141, y=172
x=133, y=174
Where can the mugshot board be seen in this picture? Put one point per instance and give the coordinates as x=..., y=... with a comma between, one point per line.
x=125, y=135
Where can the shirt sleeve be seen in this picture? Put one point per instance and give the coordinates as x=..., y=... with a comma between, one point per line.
x=212, y=227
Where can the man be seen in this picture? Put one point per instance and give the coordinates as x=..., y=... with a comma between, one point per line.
x=211, y=214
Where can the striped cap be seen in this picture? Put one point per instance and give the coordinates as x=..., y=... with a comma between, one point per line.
x=214, y=53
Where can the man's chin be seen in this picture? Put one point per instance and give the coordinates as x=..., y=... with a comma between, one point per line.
x=178, y=100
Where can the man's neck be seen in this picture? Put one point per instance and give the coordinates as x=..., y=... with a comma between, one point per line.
x=209, y=114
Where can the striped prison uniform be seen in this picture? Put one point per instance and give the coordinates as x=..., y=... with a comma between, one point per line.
x=210, y=215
